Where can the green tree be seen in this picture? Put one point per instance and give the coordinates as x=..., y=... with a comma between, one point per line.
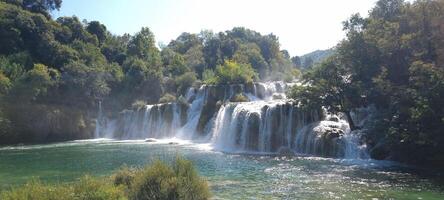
x=142, y=45
x=232, y=73
x=97, y=29
x=393, y=60
x=36, y=82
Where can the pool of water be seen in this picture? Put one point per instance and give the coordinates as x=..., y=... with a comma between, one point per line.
x=231, y=176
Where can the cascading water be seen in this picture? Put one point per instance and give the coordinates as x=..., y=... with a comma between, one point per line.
x=268, y=123
x=263, y=126
x=99, y=122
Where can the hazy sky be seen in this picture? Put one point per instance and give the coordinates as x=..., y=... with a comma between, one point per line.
x=301, y=25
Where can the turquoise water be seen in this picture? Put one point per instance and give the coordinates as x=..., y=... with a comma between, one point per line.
x=230, y=176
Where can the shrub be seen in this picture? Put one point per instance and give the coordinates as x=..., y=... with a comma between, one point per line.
x=86, y=188
x=138, y=104
x=97, y=189
x=5, y=84
x=239, y=98
x=125, y=176
x=35, y=190
x=182, y=101
x=185, y=81
x=167, y=98
x=208, y=76
x=230, y=72
x=159, y=181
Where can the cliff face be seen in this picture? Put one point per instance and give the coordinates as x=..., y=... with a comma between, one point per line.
x=38, y=123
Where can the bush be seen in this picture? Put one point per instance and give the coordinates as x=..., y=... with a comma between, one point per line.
x=160, y=181
x=182, y=101
x=157, y=181
x=86, y=188
x=125, y=176
x=239, y=98
x=167, y=98
x=138, y=104
x=231, y=73
x=185, y=81
x=95, y=188
x=5, y=84
x=208, y=76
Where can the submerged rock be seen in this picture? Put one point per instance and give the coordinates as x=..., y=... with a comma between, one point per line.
x=286, y=151
x=150, y=140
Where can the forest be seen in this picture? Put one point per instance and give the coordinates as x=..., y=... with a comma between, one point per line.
x=54, y=73
x=392, y=60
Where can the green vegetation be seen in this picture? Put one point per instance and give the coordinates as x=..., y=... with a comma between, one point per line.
x=53, y=69
x=239, y=98
x=157, y=181
x=86, y=188
x=167, y=98
x=308, y=60
x=394, y=59
x=231, y=73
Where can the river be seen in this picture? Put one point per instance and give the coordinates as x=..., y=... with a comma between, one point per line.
x=231, y=176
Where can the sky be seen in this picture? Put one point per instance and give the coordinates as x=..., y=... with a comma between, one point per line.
x=301, y=25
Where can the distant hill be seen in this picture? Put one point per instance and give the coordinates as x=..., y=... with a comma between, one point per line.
x=315, y=57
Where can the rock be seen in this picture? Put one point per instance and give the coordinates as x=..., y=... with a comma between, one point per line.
x=150, y=140
x=285, y=151
x=333, y=119
x=278, y=96
x=173, y=143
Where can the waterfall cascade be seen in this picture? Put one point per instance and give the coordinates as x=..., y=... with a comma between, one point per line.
x=267, y=123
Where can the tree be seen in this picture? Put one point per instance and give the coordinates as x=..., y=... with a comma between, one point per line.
x=308, y=62
x=97, y=29
x=328, y=85
x=296, y=60
x=185, y=42
x=174, y=63
x=184, y=82
x=39, y=6
x=234, y=73
x=194, y=59
x=142, y=45
x=5, y=84
x=35, y=82
x=393, y=60
x=250, y=54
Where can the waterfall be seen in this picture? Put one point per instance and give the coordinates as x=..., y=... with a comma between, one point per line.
x=99, y=122
x=263, y=126
x=193, y=114
x=268, y=123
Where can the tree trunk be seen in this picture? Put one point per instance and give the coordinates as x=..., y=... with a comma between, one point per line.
x=350, y=121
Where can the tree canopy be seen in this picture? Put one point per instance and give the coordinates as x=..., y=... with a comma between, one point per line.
x=393, y=60
x=63, y=67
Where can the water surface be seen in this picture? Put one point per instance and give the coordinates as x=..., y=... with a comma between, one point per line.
x=230, y=176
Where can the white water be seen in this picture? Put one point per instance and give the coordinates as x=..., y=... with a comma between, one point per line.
x=269, y=123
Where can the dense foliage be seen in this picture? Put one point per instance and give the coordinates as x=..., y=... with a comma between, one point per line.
x=157, y=181
x=394, y=60
x=231, y=72
x=52, y=70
